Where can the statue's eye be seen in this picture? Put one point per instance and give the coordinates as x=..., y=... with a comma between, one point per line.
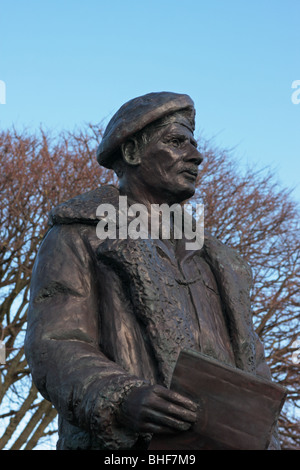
x=177, y=141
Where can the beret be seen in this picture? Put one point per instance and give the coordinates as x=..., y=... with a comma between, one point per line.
x=136, y=114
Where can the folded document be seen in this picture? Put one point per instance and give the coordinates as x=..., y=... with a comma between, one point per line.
x=237, y=410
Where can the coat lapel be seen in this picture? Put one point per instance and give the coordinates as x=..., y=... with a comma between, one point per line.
x=156, y=297
x=234, y=279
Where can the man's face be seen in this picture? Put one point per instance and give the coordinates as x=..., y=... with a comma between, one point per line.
x=169, y=164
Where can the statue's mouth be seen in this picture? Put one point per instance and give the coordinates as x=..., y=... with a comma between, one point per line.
x=192, y=172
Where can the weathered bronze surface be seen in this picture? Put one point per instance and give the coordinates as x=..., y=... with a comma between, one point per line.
x=109, y=317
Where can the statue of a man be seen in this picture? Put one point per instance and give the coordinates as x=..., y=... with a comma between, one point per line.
x=108, y=317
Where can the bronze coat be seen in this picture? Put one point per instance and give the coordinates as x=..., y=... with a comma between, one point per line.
x=106, y=316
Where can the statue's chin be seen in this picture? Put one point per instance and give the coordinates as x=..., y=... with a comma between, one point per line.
x=184, y=194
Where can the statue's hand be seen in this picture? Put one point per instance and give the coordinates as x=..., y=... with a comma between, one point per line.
x=156, y=409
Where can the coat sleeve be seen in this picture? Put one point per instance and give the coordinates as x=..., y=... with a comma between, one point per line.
x=261, y=367
x=263, y=370
x=61, y=343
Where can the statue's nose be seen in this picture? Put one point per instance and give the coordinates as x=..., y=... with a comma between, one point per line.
x=195, y=156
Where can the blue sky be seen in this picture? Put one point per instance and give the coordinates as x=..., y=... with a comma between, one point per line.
x=68, y=62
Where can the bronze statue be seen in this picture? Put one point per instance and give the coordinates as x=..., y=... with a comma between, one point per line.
x=108, y=317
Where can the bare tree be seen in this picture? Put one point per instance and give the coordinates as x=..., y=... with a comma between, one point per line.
x=247, y=211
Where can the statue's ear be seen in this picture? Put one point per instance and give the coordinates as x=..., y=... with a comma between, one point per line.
x=130, y=152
